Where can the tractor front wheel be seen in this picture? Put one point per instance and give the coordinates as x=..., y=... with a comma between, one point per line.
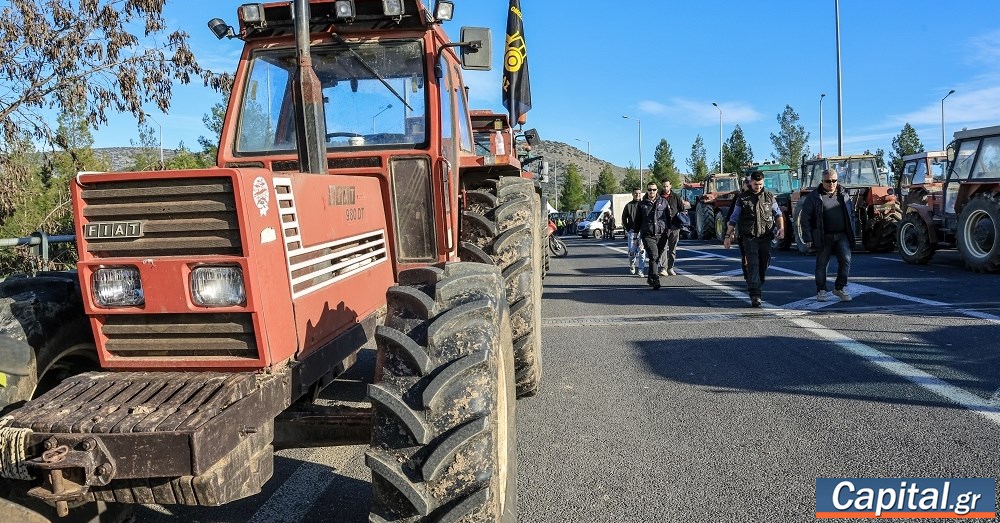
x=443, y=442
x=914, y=240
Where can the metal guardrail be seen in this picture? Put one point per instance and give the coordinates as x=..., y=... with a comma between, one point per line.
x=39, y=242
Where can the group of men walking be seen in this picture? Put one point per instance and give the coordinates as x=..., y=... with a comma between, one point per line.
x=652, y=227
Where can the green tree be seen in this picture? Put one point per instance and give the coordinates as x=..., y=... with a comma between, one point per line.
x=631, y=181
x=697, y=163
x=213, y=121
x=606, y=182
x=147, y=157
x=905, y=143
x=791, y=141
x=664, y=167
x=573, y=195
x=736, y=152
x=98, y=54
x=184, y=158
x=879, y=155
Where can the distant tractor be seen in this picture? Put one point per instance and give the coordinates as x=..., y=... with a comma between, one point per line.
x=782, y=181
x=965, y=212
x=923, y=174
x=690, y=192
x=710, y=208
x=876, y=210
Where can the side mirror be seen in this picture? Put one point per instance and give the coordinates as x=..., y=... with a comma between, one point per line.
x=477, y=49
x=531, y=136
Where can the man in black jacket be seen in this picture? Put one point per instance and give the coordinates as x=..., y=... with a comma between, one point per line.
x=636, y=256
x=653, y=224
x=827, y=219
x=668, y=242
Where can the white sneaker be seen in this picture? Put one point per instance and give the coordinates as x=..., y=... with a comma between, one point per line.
x=663, y=272
x=672, y=272
x=631, y=266
x=842, y=294
x=821, y=296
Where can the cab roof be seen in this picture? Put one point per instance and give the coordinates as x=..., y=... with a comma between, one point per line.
x=369, y=16
x=977, y=133
x=925, y=154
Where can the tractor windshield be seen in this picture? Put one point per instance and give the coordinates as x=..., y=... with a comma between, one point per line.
x=726, y=184
x=778, y=182
x=857, y=171
x=360, y=110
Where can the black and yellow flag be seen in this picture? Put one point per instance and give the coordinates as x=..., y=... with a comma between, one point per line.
x=516, y=87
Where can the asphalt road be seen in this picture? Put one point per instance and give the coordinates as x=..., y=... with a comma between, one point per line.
x=684, y=404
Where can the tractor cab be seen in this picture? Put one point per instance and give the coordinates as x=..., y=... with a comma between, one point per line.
x=923, y=173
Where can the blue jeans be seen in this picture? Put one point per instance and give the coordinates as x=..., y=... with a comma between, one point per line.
x=837, y=245
x=635, y=250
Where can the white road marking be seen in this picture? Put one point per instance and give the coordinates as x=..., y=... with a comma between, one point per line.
x=985, y=408
x=296, y=496
x=887, y=259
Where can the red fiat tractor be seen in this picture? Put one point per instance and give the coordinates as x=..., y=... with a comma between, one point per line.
x=217, y=303
x=710, y=208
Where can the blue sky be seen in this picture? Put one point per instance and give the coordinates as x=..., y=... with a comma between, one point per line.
x=665, y=62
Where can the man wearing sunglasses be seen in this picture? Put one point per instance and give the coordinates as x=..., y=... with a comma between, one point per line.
x=653, y=224
x=827, y=219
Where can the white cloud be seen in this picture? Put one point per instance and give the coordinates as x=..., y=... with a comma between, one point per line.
x=701, y=113
x=965, y=108
x=985, y=49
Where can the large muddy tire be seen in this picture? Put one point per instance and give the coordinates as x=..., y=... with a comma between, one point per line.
x=498, y=227
x=881, y=236
x=720, y=225
x=913, y=240
x=706, y=222
x=443, y=436
x=977, y=236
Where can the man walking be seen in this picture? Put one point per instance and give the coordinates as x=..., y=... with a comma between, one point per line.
x=654, y=223
x=668, y=242
x=636, y=256
x=827, y=218
x=755, y=212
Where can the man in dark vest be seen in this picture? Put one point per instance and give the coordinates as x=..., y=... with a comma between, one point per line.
x=654, y=224
x=755, y=213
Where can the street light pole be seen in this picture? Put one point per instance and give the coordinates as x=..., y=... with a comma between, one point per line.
x=943, y=143
x=639, y=122
x=821, y=124
x=720, y=135
x=840, y=91
x=378, y=113
x=590, y=172
x=162, y=166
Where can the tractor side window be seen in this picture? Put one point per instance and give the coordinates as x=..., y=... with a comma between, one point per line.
x=909, y=171
x=464, y=123
x=919, y=175
x=938, y=168
x=988, y=164
x=963, y=160
x=447, y=114
x=266, y=97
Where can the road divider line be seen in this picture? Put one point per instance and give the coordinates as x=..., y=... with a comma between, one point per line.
x=985, y=408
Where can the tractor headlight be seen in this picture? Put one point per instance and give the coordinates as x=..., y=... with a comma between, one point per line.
x=117, y=286
x=218, y=286
x=444, y=10
x=392, y=7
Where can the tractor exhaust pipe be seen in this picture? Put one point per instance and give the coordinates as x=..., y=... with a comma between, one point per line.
x=310, y=117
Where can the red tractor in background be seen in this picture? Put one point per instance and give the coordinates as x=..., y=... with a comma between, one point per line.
x=965, y=212
x=218, y=303
x=923, y=174
x=876, y=209
x=710, y=208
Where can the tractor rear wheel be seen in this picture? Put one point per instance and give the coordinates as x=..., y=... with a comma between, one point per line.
x=720, y=225
x=499, y=228
x=881, y=236
x=706, y=222
x=443, y=423
x=977, y=236
x=914, y=240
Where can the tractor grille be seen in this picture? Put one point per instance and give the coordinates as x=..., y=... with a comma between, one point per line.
x=181, y=217
x=191, y=335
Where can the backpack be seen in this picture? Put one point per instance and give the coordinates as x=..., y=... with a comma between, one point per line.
x=682, y=219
